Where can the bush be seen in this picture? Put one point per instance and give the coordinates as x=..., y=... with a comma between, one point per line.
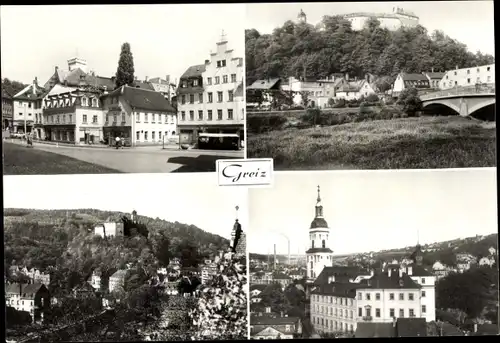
x=312, y=116
x=264, y=123
x=372, y=98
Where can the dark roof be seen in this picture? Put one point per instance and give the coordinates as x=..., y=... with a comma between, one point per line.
x=16, y=288
x=158, y=80
x=265, y=84
x=319, y=222
x=435, y=75
x=190, y=90
x=411, y=327
x=272, y=320
x=372, y=330
x=413, y=77
x=280, y=276
x=313, y=250
x=418, y=270
x=78, y=77
x=341, y=273
x=143, y=99
x=6, y=94
x=143, y=85
x=258, y=287
x=193, y=71
x=382, y=280
x=339, y=289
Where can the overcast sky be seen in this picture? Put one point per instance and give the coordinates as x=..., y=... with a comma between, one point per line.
x=190, y=198
x=470, y=22
x=164, y=39
x=375, y=210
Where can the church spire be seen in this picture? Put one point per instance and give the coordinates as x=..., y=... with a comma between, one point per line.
x=319, y=206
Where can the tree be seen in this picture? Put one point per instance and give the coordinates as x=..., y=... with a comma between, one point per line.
x=409, y=100
x=162, y=250
x=273, y=297
x=125, y=71
x=221, y=313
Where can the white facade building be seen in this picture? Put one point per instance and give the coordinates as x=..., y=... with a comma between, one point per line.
x=392, y=21
x=319, y=254
x=109, y=229
x=468, y=76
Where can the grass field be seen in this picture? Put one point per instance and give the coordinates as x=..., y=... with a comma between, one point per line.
x=21, y=160
x=423, y=142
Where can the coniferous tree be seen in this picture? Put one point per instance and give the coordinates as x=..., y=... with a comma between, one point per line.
x=125, y=71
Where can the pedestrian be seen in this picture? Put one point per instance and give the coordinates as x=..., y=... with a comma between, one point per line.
x=117, y=139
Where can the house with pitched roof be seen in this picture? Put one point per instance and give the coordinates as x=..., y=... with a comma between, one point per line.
x=27, y=109
x=7, y=110
x=33, y=298
x=434, y=78
x=275, y=327
x=406, y=80
x=355, y=90
x=319, y=91
x=281, y=278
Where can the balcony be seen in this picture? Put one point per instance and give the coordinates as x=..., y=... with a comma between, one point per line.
x=367, y=318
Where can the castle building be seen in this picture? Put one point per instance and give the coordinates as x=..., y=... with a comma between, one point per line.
x=301, y=17
x=392, y=21
x=319, y=254
x=106, y=230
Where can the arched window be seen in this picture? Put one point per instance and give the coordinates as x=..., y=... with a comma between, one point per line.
x=94, y=102
x=84, y=101
x=323, y=245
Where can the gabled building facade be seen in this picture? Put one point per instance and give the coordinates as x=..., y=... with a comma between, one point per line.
x=27, y=109
x=7, y=110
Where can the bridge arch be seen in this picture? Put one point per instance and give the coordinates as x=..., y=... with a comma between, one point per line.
x=482, y=104
x=444, y=103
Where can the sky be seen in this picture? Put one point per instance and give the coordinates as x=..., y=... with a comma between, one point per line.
x=470, y=22
x=164, y=39
x=373, y=211
x=190, y=198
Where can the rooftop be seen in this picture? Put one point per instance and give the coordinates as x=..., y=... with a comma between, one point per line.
x=28, y=289
x=265, y=84
x=193, y=71
x=373, y=330
x=143, y=99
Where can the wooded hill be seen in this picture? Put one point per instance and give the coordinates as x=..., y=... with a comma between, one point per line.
x=304, y=50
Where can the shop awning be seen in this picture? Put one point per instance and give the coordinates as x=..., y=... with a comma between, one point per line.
x=218, y=135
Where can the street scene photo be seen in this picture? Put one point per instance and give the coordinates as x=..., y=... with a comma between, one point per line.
x=371, y=85
x=156, y=95
x=136, y=265
x=365, y=255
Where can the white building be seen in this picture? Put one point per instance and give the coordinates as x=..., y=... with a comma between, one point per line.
x=210, y=97
x=27, y=108
x=486, y=261
x=95, y=280
x=406, y=81
x=139, y=116
x=492, y=251
x=355, y=90
x=33, y=298
x=468, y=76
x=117, y=280
x=109, y=229
x=319, y=91
x=319, y=254
x=392, y=21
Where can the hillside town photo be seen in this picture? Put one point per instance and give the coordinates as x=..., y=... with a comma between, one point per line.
x=374, y=85
x=133, y=105
x=91, y=270
x=378, y=274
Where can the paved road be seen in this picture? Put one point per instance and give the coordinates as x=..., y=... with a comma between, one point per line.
x=145, y=159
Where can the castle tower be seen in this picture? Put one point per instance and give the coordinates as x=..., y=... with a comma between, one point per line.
x=319, y=254
x=133, y=217
x=301, y=17
x=76, y=62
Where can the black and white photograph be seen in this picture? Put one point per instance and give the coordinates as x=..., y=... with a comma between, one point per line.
x=134, y=257
x=374, y=254
x=371, y=85
x=122, y=88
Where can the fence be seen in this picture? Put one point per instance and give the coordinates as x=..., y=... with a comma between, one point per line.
x=467, y=90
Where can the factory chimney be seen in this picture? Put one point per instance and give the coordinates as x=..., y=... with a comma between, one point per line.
x=275, y=257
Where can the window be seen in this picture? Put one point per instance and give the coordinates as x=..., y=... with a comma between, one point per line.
x=84, y=101
x=64, y=118
x=184, y=84
x=159, y=118
x=477, y=70
x=224, y=79
x=200, y=98
x=233, y=77
x=368, y=296
x=145, y=135
x=137, y=135
x=210, y=97
x=209, y=115
x=209, y=80
x=145, y=117
x=230, y=114
x=423, y=294
x=412, y=313
x=219, y=114
x=391, y=312
x=183, y=115
x=377, y=296
x=166, y=119
x=468, y=80
x=424, y=309
x=84, y=118
x=153, y=135
x=195, y=82
x=488, y=69
x=360, y=312
x=200, y=115
x=489, y=78
x=217, y=80
x=468, y=71
x=219, y=96
x=70, y=118
x=230, y=95
x=368, y=312
x=191, y=115
x=94, y=118
x=401, y=296
x=183, y=99
x=152, y=118
x=377, y=312
x=410, y=296
x=137, y=117
x=191, y=98
x=114, y=118
x=360, y=296
x=401, y=313
x=29, y=104
x=455, y=73
x=456, y=83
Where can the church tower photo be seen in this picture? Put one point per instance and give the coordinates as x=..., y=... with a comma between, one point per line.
x=319, y=254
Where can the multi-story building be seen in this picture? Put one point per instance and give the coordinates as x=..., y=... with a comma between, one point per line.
x=109, y=229
x=271, y=327
x=319, y=254
x=210, y=98
x=139, y=116
x=165, y=87
x=33, y=298
x=392, y=21
x=207, y=271
x=27, y=108
x=434, y=78
x=117, y=280
x=319, y=91
x=38, y=277
x=96, y=279
x=281, y=278
x=468, y=76
x=7, y=110
x=405, y=81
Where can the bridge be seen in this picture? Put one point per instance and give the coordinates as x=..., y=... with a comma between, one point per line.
x=465, y=101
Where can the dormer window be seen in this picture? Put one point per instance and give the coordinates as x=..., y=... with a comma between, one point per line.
x=84, y=101
x=401, y=283
x=94, y=102
x=195, y=83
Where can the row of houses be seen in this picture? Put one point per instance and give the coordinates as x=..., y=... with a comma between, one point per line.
x=339, y=86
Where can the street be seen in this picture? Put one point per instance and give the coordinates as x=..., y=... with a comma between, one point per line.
x=137, y=160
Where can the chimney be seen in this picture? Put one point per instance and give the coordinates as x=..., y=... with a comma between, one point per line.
x=400, y=273
x=347, y=76
x=207, y=61
x=432, y=69
x=146, y=79
x=410, y=270
x=389, y=272
x=56, y=69
x=275, y=256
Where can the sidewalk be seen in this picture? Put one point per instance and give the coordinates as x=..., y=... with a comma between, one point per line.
x=91, y=146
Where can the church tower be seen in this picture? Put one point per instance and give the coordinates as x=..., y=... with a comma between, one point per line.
x=319, y=254
x=302, y=18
